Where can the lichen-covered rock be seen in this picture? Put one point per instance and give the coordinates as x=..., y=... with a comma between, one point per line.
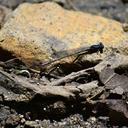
x=34, y=32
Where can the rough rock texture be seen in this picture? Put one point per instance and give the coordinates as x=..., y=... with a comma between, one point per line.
x=114, y=9
x=95, y=93
x=14, y=3
x=88, y=86
x=36, y=31
x=4, y=13
x=114, y=61
x=11, y=3
x=115, y=109
x=118, y=109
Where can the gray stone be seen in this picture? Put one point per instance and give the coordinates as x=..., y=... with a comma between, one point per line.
x=11, y=3
x=118, y=111
x=89, y=86
x=12, y=121
x=4, y=112
x=112, y=61
x=113, y=9
x=115, y=81
x=32, y=124
x=118, y=90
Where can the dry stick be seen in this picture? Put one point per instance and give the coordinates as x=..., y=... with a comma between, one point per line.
x=109, y=78
x=90, y=98
x=46, y=91
x=15, y=79
x=3, y=64
x=11, y=60
x=7, y=75
x=34, y=70
x=104, y=84
x=70, y=77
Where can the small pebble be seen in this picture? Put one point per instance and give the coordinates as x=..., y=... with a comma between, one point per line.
x=125, y=27
x=23, y=120
x=21, y=116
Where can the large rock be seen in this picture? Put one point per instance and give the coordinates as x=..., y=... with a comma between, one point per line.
x=36, y=31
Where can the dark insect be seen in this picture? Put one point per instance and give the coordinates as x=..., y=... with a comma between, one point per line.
x=81, y=51
x=96, y=48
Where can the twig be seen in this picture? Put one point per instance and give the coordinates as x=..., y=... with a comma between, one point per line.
x=109, y=78
x=7, y=75
x=33, y=70
x=70, y=77
x=11, y=60
x=22, y=86
x=98, y=93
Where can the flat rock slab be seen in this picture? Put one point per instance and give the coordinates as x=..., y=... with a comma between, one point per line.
x=116, y=109
x=113, y=61
x=35, y=32
x=113, y=72
x=114, y=80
